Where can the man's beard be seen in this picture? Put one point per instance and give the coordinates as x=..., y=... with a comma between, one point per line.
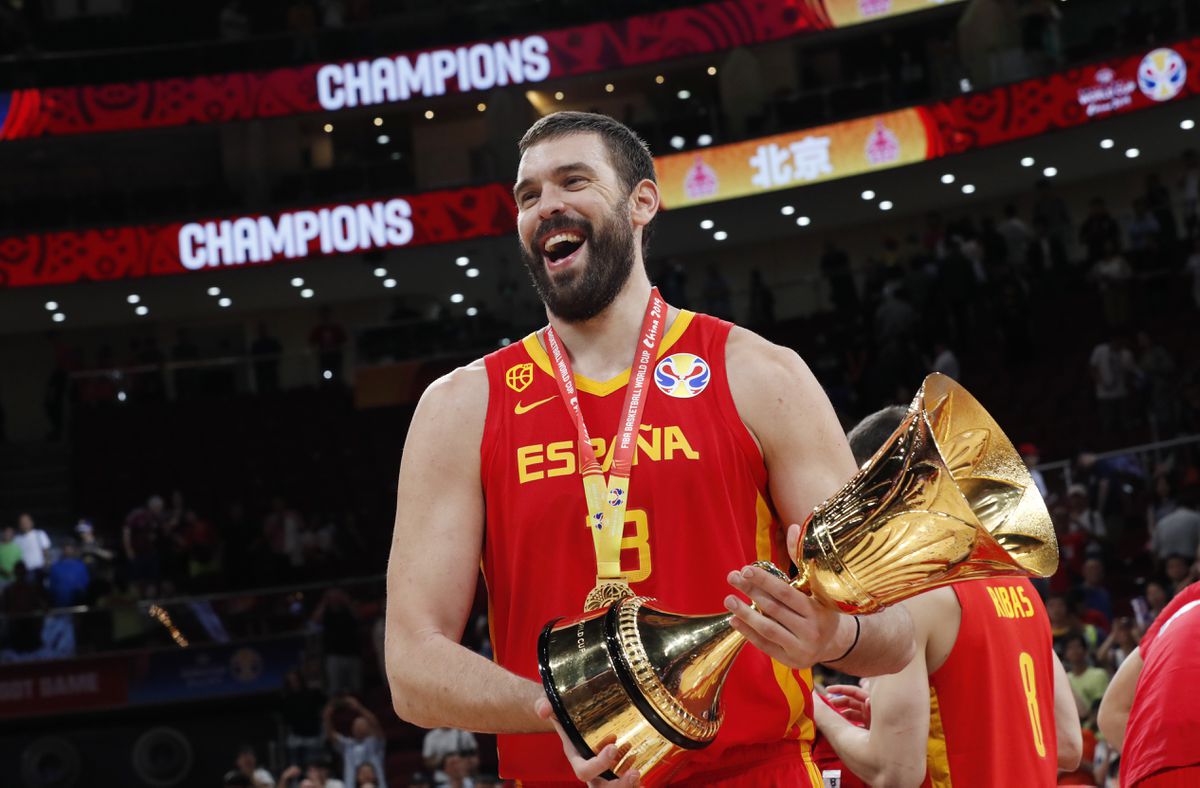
x=575, y=295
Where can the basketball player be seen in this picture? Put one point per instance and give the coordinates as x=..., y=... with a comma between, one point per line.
x=491, y=475
x=1149, y=710
x=972, y=707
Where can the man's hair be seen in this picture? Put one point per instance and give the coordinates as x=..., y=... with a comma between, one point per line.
x=871, y=433
x=628, y=153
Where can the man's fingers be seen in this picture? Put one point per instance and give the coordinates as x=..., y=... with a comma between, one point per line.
x=775, y=598
x=849, y=690
x=768, y=647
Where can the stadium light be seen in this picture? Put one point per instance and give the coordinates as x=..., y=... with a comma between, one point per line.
x=378, y=121
x=328, y=128
x=456, y=298
x=1050, y=172
x=327, y=374
x=297, y=281
x=389, y=283
x=224, y=302
x=1187, y=124
x=428, y=114
x=720, y=235
x=214, y=291
x=1133, y=153
x=660, y=79
x=380, y=272
x=133, y=298
x=803, y=221
x=968, y=188
x=706, y=224
x=886, y=205
x=58, y=317
x=472, y=311
x=1106, y=143
x=868, y=195
x=306, y=293
x=609, y=88
x=462, y=261
x=472, y=273
x=684, y=95
x=383, y=139
x=948, y=178
x=703, y=140
x=142, y=310
x=787, y=210
x=51, y=305
x=712, y=71
x=678, y=142
x=1028, y=161
x=481, y=107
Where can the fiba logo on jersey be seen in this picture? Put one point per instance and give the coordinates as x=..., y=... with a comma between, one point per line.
x=1161, y=74
x=682, y=375
x=519, y=376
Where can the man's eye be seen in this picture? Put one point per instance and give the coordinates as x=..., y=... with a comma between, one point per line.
x=527, y=198
x=574, y=180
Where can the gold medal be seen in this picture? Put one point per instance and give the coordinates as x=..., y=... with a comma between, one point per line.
x=608, y=591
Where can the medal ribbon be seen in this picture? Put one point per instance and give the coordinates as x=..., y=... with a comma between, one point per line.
x=606, y=503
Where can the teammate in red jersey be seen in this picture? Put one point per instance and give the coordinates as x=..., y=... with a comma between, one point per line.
x=1149, y=710
x=492, y=473
x=985, y=702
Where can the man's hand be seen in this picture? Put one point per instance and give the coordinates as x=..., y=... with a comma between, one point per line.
x=853, y=702
x=588, y=770
x=789, y=626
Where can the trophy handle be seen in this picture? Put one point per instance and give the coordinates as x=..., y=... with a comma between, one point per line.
x=800, y=583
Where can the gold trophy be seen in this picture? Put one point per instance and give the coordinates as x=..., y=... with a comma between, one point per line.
x=945, y=499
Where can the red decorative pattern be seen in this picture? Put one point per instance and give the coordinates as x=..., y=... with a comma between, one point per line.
x=132, y=252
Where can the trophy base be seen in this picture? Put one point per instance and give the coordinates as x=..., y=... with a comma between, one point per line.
x=592, y=687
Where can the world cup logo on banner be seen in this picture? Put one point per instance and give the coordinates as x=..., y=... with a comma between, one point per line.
x=883, y=146
x=701, y=180
x=1162, y=74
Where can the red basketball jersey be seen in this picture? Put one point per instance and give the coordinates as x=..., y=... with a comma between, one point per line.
x=1163, y=731
x=698, y=508
x=991, y=704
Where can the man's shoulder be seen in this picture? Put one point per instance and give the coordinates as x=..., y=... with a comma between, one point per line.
x=462, y=391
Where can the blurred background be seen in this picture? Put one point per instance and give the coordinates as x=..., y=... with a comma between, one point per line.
x=238, y=239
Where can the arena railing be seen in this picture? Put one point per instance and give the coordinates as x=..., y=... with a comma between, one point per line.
x=1148, y=456
x=119, y=623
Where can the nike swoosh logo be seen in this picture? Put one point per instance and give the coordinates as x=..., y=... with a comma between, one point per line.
x=519, y=408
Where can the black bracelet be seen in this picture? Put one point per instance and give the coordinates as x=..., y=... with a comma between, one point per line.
x=857, y=632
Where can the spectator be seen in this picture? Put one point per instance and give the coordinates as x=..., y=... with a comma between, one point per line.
x=22, y=599
x=10, y=555
x=320, y=766
x=1045, y=256
x=1144, y=231
x=1088, y=681
x=33, y=543
x=1051, y=212
x=266, y=351
x=1081, y=516
x=201, y=548
x=443, y=743
x=140, y=538
x=1032, y=457
x=98, y=558
x=1146, y=608
x=1179, y=572
x=1112, y=274
x=300, y=708
x=1178, y=533
x=1112, y=366
x=339, y=639
x=1120, y=644
x=420, y=780
x=363, y=747
x=1095, y=595
x=367, y=776
x=282, y=529
x=246, y=763
x=1157, y=370
x=1065, y=623
x=68, y=579
x=1099, y=231
x=235, y=779
x=234, y=24
x=1017, y=237
x=327, y=339
x=835, y=264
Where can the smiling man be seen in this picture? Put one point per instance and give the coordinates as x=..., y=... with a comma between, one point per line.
x=575, y=475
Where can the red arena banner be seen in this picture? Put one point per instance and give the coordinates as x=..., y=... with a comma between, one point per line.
x=130, y=252
x=69, y=686
x=894, y=139
x=393, y=79
x=723, y=172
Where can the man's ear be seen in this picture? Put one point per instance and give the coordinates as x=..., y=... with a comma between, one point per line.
x=644, y=202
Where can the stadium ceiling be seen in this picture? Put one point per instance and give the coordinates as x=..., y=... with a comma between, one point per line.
x=998, y=174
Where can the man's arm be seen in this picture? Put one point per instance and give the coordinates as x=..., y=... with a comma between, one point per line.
x=436, y=547
x=892, y=752
x=1068, y=731
x=1118, y=699
x=808, y=460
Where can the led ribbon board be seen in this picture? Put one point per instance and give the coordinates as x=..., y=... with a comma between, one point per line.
x=405, y=77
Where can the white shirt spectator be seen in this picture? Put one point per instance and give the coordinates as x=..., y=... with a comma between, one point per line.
x=441, y=742
x=355, y=753
x=34, y=544
x=1112, y=367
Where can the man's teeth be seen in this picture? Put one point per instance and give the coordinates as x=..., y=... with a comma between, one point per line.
x=555, y=240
